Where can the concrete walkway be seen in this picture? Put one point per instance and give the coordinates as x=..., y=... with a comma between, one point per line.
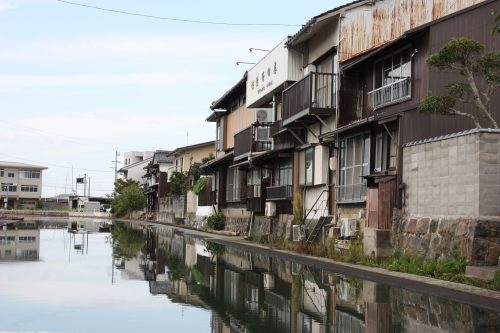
x=475, y=296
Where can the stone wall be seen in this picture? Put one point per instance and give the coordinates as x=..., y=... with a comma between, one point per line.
x=454, y=175
x=237, y=219
x=171, y=209
x=478, y=240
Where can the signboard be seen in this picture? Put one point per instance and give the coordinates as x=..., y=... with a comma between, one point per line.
x=278, y=66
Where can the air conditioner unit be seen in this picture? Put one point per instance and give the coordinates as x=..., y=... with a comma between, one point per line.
x=347, y=227
x=270, y=209
x=262, y=134
x=264, y=115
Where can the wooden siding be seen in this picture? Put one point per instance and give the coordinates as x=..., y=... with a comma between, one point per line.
x=474, y=24
x=235, y=122
x=366, y=27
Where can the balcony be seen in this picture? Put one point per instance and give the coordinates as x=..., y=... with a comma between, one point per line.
x=281, y=192
x=253, y=139
x=395, y=92
x=314, y=95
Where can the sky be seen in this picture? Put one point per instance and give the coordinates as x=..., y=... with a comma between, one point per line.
x=78, y=84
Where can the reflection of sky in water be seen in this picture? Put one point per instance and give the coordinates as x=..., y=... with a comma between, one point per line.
x=73, y=293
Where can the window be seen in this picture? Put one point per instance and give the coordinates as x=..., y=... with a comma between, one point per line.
x=9, y=187
x=220, y=134
x=233, y=185
x=392, y=80
x=386, y=149
x=27, y=239
x=283, y=173
x=2, y=173
x=309, y=159
x=354, y=164
x=254, y=183
x=379, y=140
x=29, y=188
x=11, y=174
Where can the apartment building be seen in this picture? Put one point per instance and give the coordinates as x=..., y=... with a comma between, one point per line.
x=21, y=184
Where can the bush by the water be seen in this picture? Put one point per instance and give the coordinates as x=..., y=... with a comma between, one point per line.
x=216, y=221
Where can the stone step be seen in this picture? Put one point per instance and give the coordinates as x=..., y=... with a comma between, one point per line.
x=485, y=273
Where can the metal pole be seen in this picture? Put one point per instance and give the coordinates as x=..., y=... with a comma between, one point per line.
x=84, y=184
x=89, y=187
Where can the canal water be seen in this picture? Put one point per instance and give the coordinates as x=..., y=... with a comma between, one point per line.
x=70, y=276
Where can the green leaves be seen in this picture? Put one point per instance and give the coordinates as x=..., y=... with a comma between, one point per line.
x=488, y=65
x=458, y=51
x=440, y=104
x=130, y=199
x=179, y=183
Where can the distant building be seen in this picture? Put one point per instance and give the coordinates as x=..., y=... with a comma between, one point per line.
x=134, y=163
x=21, y=184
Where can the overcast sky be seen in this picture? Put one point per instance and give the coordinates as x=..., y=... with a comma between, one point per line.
x=78, y=84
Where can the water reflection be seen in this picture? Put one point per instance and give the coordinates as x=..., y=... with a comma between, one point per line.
x=255, y=293
x=19, y=241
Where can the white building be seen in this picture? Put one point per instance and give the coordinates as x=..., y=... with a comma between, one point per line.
x=21, y=184
x=134, y=163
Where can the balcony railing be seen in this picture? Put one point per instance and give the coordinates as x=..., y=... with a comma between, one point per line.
x=351, y=193
x=250, y=140
x=313, y=95
x=282, y=192
x=276, y=127
x=395, y=92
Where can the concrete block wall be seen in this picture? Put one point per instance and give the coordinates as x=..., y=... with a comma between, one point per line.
x=456, y=175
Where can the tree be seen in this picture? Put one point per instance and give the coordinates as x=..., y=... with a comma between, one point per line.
x=481, y=75
x=129, y=199
x=121, y=184
x=179, y=183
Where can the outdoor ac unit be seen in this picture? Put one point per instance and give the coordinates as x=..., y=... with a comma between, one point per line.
x=270, y=208
x=264, y=115
x=347, y=227
x=296, y=233
x=263, y=134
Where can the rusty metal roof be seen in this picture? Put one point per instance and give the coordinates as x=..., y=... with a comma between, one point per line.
x=307, y=26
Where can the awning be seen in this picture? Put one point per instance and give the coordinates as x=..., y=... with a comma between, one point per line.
x=218, y=161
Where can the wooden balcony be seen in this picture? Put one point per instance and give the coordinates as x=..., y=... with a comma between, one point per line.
x=251, y=140
x=281, y=192
x=314, y=95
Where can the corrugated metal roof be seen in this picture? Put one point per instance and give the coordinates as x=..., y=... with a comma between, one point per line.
x=452, y=135
x=7, y=164
x=314, y=19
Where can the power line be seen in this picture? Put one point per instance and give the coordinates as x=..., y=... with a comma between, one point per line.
x=178, y=19
x=54, y=165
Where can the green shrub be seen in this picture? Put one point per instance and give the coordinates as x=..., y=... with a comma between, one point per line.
x=216, y=221
x=200, y=185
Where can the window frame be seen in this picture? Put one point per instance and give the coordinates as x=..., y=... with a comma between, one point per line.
x=309, y=182
x=364, y=166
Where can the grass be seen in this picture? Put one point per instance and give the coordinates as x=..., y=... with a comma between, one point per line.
x=449, y=269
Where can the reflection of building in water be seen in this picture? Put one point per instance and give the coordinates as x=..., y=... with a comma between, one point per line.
x=254, y=293
x=19, y=240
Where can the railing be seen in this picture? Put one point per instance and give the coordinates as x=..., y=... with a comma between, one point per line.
x=275, y=127
x=281, y=192
x=351, y=193
x=315, y=92
x=389, y=94
x=248, y=141
x=243, y=142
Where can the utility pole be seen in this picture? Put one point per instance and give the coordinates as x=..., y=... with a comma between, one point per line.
x=84, y=184
x=89, y=191
x=116, y=163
